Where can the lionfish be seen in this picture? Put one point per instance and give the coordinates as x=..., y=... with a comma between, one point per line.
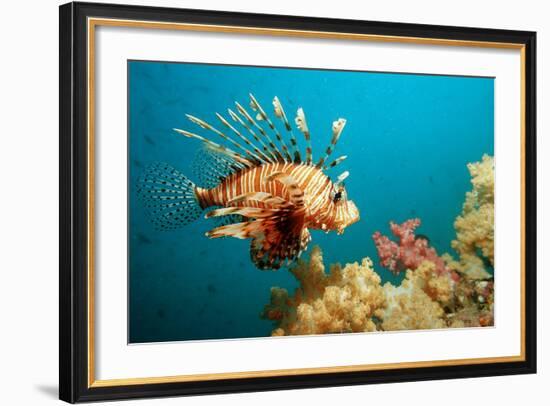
x=258, y=190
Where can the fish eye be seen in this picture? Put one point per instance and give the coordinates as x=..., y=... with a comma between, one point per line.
x=339, y=194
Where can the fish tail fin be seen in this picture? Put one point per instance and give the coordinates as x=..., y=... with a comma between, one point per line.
x=169, y=196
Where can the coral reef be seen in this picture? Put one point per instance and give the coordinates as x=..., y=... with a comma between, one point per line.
x=352, y=299
x=409, y=306
x=436, y=291
x=343, y=301
x=475, y=225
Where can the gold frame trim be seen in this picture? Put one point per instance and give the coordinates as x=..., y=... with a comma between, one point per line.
x=94, y=22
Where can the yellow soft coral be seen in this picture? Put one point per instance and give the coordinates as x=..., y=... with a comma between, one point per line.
x=343, y=301
x=351, y=299
x=412, y=304
x=475, y=225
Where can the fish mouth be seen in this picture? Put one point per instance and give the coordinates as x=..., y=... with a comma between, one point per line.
x=352, y=217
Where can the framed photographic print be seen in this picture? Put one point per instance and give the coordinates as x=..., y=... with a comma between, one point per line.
x=255, y=202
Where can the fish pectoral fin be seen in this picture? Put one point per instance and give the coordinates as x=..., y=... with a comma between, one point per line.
x=281, y=241
x=278, y=235
x=223, y=220
x=241, y=230
x=259, y=219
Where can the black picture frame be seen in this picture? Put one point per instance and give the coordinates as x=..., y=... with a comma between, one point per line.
x=74, y=385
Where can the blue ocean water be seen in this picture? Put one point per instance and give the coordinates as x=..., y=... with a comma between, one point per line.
x=408, y=139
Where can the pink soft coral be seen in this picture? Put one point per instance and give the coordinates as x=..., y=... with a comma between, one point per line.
x=409, y=253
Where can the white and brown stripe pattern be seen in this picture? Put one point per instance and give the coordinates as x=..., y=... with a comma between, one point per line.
x=302, y=185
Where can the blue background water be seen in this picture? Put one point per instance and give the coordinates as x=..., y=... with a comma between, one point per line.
x=408, y=139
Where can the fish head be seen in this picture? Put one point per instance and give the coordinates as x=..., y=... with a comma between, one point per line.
x=344, y=211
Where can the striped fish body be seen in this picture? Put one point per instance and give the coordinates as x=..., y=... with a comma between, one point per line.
x=311, y=182
x=265, y=194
